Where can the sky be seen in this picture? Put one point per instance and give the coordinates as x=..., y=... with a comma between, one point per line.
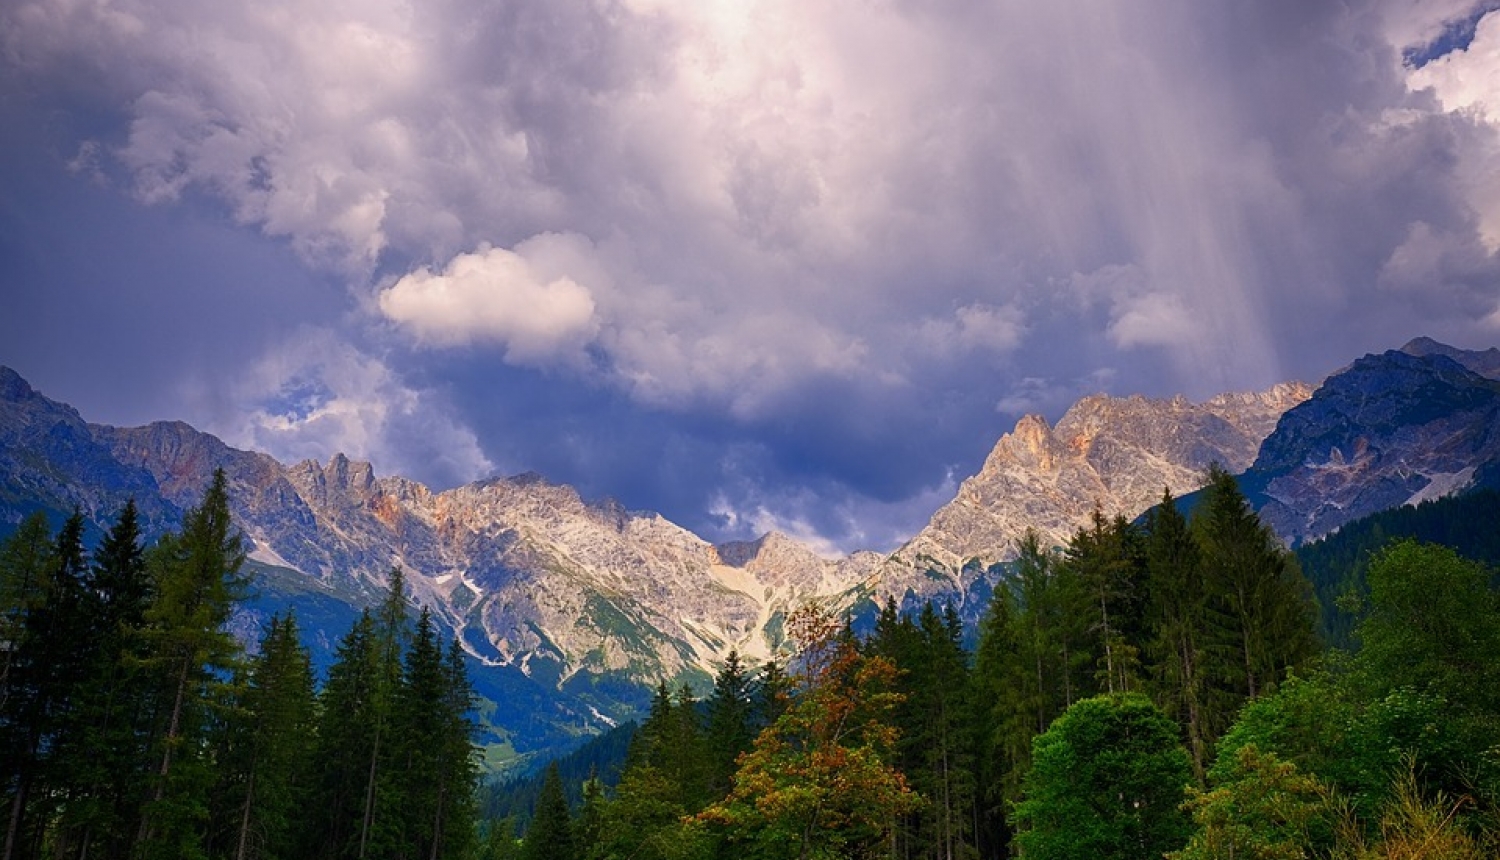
x=753, y=264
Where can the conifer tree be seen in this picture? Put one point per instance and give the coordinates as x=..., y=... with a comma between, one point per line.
x=1177, y=619
x=729, y=730
x=105, y=756
x=434, y=769
x=46, y=671
x=1259, y=604
x=264, y=780
x=454, y=826
x=197, y=582
x=550, y=835
x=1103, y=560
x=342, y=751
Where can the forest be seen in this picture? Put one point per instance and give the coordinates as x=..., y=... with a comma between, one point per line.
x=133, y=724
x=1153, y=688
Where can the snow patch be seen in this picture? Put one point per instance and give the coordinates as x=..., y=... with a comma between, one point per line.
x=1443, y=484
x=602, y=718
x=266, y=555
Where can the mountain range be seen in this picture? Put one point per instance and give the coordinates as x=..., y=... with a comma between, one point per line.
x=572, y=609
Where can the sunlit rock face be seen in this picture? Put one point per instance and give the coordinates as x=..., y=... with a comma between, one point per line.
x=573, y=609
x=1116, y=454
x=1391, y=429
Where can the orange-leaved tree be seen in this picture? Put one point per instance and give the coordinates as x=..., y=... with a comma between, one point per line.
x=818, y=783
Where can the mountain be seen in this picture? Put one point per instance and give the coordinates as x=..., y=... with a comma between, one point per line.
x=572, y=609
x=1116, y=453
x=1397, y=428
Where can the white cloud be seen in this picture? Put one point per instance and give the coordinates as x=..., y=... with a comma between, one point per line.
x=975, y=328
x=1155, y=319
x=791, y=203
x=315, y=395
x=1468, y=79
x=529, y=301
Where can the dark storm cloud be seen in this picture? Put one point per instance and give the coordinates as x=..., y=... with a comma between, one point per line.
x=763, y=264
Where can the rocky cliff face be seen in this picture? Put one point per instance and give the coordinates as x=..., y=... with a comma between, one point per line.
x=1118, y=454
x=574, y=607
x=1389, y=430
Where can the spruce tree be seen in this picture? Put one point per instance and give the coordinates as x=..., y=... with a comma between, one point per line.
x=729, y=730
x=1178, y=623
x=46, y=671
x=105, y=753
x=1260, y=608
x=197, y=582
x=550, y=834
x=342, y=750
x=264, y=783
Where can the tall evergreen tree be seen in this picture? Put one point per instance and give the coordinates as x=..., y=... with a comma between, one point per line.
x=45, y=674
x=105, y=755
x=264, y=781
x=1104, y=562
x=358, y=800
x=197, y=582
x=342, y=750
x=1178, y=623
x=1260, y=607
x=729, y=731
x=550, y=835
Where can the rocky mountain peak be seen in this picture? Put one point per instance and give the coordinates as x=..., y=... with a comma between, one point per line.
x=1118, y=453
x=1392, y=428
x=1486, y=363
x=13, y=387
x=1030, y=445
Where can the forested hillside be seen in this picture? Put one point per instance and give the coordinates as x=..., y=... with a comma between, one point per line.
x=134, y=725
x=1152, y=688
x=1336, y=565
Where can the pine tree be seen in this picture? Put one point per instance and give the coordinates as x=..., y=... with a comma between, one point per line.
x=342, y=750
x=358, y=806
x=47, y=669
x=197, y=582
x=458, y=770
x=729, y=730
x=1177, y=619
x=264, y=781
x=550, y=835
x=1260, y=606
x=1104, y=562
x=434, y=768
x=105, y=753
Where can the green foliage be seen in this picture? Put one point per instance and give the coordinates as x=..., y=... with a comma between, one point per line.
x=196, y=583
x=1261, y=606
x=1336, y=565
x=1262, y=808
x=1107, y=781
x=550, y=836
x=818, y=782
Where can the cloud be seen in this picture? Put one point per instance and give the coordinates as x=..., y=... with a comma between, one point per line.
x=1155, y=319
x=315, y=395
x=523, y=300
x=836, y=234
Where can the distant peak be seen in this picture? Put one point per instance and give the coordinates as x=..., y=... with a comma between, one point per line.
x=12, y=386
x=1420, y=346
